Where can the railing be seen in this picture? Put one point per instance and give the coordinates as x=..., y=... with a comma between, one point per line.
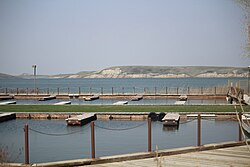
x=217, y=90
x=93, y=146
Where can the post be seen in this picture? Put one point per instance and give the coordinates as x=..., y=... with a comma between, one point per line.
x=102, y=90
x=215, y=90
x=17, y=91
x=37, y=91
x=6, y=91
x=92, y=124
x=123, y=90
x=144, y=90
x=166, y=90
x=57, y=91
x=27, y=91
x=149, y=135
x=134, y=90
x=68, y=91
x=155, y=90
x=26, y=143
x=240, y=134
x=47, y=91
x=34, y=66
x=199, y=130
x=188, y=90
x=90, y=90
x=112, y=91
x=201, y=90
x=177, y=90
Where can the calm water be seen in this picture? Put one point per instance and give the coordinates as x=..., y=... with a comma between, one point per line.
x=119, y=85
x=45, y=148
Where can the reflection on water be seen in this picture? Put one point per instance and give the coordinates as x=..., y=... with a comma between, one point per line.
x=170, y=128
x=112, y=140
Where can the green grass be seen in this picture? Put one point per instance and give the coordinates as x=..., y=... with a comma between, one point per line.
x=112, y=108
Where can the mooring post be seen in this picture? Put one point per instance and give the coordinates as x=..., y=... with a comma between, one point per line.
x=27, y=91
x=240, y=134
x=57, y=91
x=102, y=90
x=177, y=90
x=79, y=90
x=123, y=90
x=155, y=90
x=92, y=124
x=6, y=91
x=215, y=90
x=199, y=130
x=47, y=91
x=112, y=91
x=166, y=90
x=149, y=135
x=68, y=91
x=134, y=90
x=26, y=143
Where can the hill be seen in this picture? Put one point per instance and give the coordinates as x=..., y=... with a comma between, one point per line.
x=6, y=76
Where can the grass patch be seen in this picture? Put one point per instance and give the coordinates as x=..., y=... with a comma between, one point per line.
x=125, y=108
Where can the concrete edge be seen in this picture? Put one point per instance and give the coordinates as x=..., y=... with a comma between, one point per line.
x=133, y=156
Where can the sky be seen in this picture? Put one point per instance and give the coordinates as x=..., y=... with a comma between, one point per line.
x=69, y=36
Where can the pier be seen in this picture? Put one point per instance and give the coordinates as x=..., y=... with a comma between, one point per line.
x=7, y=116
x=47, y=98
x=79, y=120
x=8, y=102
x=171, y=119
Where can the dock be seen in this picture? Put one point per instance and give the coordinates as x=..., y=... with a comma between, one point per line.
x=231, y=156
x=7, y=116
x=83, y=119
x=8, y=102
x=180, y=102
x=171, y=119
x=6, y=97
x=120, y=103
x=74, y=96
x=91, y=98
x=137, y=98
x=63, y=103
x=47, y=98
x=183, y=98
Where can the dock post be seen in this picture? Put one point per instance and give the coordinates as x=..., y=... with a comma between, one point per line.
x=68, y=91
x=240, y=134
x=177, y=90
x=123, y=90
x=199, y=130
x=144, y=90
x=79, y=90
x=47, y=91
x=27, y=91
x=149, y=135
x=102, y=90
x=112, y=90
x=57, y=91
x=155, y=90
x=6, y=91
x=166, y=90
x=92, y=124
x=37, y=91
x=215, y=90
x=26, y=143
x=134, y=90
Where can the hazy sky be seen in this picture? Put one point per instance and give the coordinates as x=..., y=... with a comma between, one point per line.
x=68, y=36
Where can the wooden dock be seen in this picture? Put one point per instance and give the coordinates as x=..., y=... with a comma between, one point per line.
x=47, y=98
x=232, y=156
x=7, y=116
x=120, y=103
x=63, y=103
x=8, y=102
x=79, y=120
x=137, y=98
x=91, y=98
x=171, y=119
x=202, y=115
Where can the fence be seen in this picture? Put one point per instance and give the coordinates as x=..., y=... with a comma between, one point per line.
x=93, y=146
x=217, y=90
